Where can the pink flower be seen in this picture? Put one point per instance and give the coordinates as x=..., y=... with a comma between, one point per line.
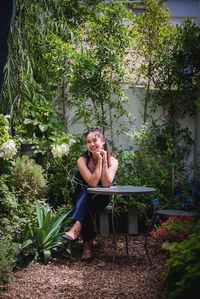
x=163, y=233
x=166, y=221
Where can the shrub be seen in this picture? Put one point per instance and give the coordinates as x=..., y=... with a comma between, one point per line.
x=175, y=229
x=183, y=269
x=8, y=254
x=12, y=216
x=60, y=173
x=148, y=163
x=59, y=184
x=28, y=178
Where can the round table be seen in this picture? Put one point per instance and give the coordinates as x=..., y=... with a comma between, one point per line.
x=125, y=190
x=176, y=213
x=122, y=190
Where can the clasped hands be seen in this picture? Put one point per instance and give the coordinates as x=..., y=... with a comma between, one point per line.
x=101, y=155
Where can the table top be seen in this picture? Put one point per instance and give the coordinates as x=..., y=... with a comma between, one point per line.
x=121, y=190
x=176, y=213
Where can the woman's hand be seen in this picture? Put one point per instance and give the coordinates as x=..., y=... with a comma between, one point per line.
x=104, y=156
x=108, y=171
x=97, y=155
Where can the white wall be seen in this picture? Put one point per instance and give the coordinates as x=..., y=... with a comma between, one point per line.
x=135, y=97
x=181, y=9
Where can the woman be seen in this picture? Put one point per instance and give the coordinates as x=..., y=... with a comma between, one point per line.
x=96, y=167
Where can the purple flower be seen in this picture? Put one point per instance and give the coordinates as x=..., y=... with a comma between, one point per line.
x=184, y=206
x=178, y=195
x=144, y=127
x=156, y=201
x=126, y=154
x=190, y=200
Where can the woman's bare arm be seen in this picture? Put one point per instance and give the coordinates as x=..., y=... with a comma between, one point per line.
x=108, y=171
x=91, y=178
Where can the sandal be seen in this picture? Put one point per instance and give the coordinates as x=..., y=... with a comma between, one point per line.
x=68, y=237
x=88, y=252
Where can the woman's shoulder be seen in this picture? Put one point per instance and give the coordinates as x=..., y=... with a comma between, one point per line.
x=81, y=160
x=113, y=159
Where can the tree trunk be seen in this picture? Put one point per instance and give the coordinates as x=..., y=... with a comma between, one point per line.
x=65, y=110
x=146, y=104
x=111, y=128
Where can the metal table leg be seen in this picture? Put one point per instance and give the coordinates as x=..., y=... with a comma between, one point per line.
x=147, y=233
x=113, y=230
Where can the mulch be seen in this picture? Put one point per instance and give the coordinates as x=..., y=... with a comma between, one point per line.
x=66, y=276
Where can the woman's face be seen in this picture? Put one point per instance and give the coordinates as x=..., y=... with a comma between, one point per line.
x=94, y=142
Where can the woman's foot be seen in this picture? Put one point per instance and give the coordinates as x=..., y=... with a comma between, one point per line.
x=87, y=253
x=74, y=233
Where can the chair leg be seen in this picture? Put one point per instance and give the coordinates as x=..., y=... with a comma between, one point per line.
x=126, y=240
x=114, y=251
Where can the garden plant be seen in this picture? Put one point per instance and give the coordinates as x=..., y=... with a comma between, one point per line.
x=174, y=229
x=67, y=61
x=183, y=269
x=43, y=237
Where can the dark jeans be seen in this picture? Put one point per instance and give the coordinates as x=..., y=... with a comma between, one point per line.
x=85, y=205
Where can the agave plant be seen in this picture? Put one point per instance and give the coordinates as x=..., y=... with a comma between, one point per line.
x=43, y=236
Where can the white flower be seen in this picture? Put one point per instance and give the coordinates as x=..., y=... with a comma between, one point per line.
x=71, y=141
x=6, y=129
x=59, y=151
x=8, y=150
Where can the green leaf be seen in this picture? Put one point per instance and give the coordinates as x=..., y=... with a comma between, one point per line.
x=47, y=256
x=53, y=238
x=41, y=234
x=53, y=244
x=27, y=243
x=55, y=226
x=39, y=214
x=43, y=128
x=30, y=215
x=46, y=222
x=27, y=232
x=68, y=250
x=24, y=261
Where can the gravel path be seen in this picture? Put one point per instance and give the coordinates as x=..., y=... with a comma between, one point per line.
x=67, y=277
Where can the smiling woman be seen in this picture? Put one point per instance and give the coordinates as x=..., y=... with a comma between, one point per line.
x=96, y=166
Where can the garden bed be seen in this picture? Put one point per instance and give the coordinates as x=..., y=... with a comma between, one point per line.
x=66, y=277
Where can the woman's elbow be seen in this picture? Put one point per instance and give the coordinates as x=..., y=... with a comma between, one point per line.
x=107, y=184
x=93, y=185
